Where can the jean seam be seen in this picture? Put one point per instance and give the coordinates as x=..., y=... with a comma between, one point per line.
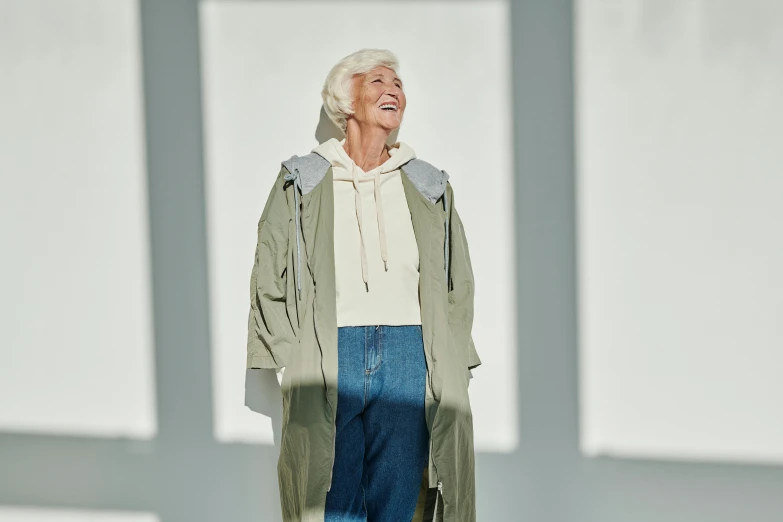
x=380, y=347
x=364, y=500
x=366, y=357
x=379, y=352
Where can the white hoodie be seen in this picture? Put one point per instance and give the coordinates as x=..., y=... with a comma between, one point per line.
x=376, y=255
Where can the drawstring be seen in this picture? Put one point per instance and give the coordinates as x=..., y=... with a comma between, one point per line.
x=381, y=225
x=357, y=197
x=294, y=176
x=360, y=219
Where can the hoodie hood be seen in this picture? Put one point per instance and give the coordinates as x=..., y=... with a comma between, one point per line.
x=333, y=151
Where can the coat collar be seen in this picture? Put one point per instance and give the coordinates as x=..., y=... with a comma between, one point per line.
x=311, y=170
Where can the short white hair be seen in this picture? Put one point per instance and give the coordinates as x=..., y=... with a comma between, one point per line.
x=337, y=91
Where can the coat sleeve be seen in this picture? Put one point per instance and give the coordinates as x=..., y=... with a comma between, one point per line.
x=270, y=328
x=461, y=288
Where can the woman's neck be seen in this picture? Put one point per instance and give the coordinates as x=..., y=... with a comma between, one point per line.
x=367, y=148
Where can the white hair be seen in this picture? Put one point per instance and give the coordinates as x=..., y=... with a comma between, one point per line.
x=336, y=93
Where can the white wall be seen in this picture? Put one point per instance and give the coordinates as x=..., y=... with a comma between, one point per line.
x=680, y=186
x=75, y=308
x=264, y=64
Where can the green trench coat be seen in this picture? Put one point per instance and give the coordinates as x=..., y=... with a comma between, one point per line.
x=292, y=323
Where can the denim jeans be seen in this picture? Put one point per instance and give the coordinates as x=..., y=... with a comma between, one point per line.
x=382, y=444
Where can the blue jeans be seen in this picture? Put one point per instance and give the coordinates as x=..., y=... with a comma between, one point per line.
x=382, y=444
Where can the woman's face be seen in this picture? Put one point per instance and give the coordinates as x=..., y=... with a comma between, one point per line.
x=379, y=88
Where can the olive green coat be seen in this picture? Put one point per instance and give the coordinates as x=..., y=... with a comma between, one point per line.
x=292, y=324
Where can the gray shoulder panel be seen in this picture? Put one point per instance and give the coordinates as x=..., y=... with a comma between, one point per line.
x=427, y=178
x=311, y=169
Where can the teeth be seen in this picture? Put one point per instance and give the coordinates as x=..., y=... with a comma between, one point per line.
x=388, y=105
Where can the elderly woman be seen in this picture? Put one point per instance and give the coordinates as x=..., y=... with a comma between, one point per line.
x=362, y=299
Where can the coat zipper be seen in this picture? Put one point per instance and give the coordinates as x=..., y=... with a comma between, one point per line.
x=438, y=493
x=440, y=484
x=334, y=444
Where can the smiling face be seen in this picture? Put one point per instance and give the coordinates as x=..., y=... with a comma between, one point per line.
x=378, y=99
